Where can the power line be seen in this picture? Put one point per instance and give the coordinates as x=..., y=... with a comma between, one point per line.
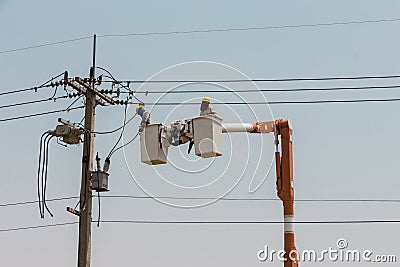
x=40, y=114
x=207, y=31
x=258, y=80
x=37, y=227
x=209, y=198
x=205, y=222
x=46, y=44
x=251, y=28
x=276, y=102
x=251, y=222
x=288, y=90
x=33, y=102
x=35, y=88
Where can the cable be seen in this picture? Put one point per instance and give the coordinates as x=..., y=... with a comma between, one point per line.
x=40, y=114
x=205, y=222
x=117, y=129
x=35, y=201
x=210, y=198
x=275, y=102
x=44, y=85
x=122, y=132
x=126, y=87
x=254, y=199
x=99, y=209
x=38, y=176
x=45, y=177
x=33, y=102
x=252, y=222
x=37, y=226
x=260, y=80
x=250, y=28
x=46, y=44
x=42, y=173
x=124, y=145
x=206, y=31
x=271, y=90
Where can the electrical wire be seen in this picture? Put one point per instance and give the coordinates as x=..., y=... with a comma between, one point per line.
x=43, y=172
x=44, y=85
x=259, y=80
x=46, y=44
x=210, y=198
x=37, y=227
x=33, y=102
x=35, y=201
x=251, y=28
x=117, y=129
x=275, y=102
x=120, y=136
x=40, y=114
x=252, y=222
x=124, y=145
x=271, y=90
x=124, y=86
x=206, y=222
x=338, y=23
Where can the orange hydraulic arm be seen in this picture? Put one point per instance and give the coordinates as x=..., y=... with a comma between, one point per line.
x=284, y=187
x=284, y=174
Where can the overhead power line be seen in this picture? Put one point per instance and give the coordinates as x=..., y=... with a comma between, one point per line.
x=33, y=102
x=251, y=222
x=37, y=227
x=275, y=102
x=209, y=198
x=202, y=31
x=251, y=28
x=336, y=222
x=288, y=90
x=259, y=80
x=40, y=114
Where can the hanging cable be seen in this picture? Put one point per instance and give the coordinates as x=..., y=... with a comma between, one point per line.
x=122, y=132
x=42, y=173
x=124, y=145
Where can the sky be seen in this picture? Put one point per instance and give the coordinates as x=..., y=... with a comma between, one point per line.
x=341, y=150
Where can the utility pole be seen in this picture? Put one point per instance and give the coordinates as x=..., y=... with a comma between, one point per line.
x=92, y=98
x=85, y=216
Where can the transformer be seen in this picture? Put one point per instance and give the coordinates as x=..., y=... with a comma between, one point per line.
x=99, y=181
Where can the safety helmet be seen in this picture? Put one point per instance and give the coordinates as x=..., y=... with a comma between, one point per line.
x=206, y=99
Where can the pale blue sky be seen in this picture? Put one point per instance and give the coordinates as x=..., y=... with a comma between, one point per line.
x=340, y=150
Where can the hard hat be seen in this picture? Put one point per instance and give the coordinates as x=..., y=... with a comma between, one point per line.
x=206, y=99
x=138, y=107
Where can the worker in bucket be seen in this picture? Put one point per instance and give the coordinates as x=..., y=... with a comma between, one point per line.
x=205, y=108
x=145, y=116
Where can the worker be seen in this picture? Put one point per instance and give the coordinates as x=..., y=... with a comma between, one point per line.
x=145, y=116
x=205, y=108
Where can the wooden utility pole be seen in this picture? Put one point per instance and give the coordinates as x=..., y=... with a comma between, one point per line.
x=85, y=216
x=92, y=98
